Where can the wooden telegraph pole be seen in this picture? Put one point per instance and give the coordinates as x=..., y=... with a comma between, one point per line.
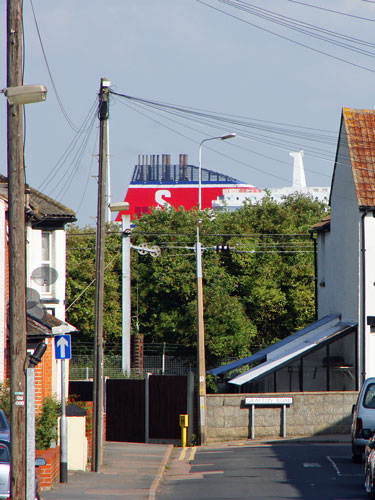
x=201, y=346
x=97, y=444
x=17, y=255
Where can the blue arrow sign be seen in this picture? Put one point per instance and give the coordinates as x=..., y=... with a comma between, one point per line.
x=63, y=347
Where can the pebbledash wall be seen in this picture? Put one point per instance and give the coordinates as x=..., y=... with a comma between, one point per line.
x=310, y=413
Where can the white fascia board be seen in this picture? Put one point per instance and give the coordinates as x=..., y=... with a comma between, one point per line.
x=63, y=329
x=290, y=346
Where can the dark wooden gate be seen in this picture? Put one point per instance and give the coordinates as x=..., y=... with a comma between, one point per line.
x=125, y=406
x=167, y=400
x=125, y=410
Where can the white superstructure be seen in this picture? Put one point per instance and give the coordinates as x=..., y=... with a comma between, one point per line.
x=234, y=199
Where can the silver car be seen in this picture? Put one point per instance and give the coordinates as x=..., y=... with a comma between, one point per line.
x=5, y=471
x=363, y=424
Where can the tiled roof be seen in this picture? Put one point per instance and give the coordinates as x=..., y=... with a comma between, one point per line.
x=323, y=225
x=360, y=130
x=45, y=207
x=43, y=326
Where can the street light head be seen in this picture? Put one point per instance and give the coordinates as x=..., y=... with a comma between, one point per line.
x=25, y=94
x=120, y=206
x=228, y=136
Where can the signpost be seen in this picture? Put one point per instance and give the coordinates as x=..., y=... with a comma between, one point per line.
x=268, y=401
x=63, y=351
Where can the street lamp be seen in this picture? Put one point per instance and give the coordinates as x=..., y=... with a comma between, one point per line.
x=25, y=94
x=126, y=297
x=222, y=138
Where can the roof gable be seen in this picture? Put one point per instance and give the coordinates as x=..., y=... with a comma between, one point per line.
x=43, y=208
x=360, y=132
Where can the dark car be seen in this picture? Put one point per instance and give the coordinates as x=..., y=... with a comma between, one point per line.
x=4, y=427
x=370, y=467
x=5, y=471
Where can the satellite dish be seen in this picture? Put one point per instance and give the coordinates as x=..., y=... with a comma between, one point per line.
x=44, y=275
x=34, y=307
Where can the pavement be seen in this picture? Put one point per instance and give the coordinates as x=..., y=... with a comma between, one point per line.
x=129, y=471
x=134, y=470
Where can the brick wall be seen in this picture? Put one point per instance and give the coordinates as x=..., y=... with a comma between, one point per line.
x=311, y=413
x=49, y=473
x=43, y=376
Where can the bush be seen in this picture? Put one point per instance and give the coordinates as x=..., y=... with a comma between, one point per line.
x=5, y=399
x=46, y=424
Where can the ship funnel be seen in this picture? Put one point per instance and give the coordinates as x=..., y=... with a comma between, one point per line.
x=299, y=180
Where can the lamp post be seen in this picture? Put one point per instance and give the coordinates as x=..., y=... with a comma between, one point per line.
x=126, y=298
x=222, y=138
x=17, y=95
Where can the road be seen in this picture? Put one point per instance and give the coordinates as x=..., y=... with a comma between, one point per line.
x=263, y=472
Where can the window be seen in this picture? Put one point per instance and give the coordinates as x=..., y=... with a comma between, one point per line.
x=47, y=262
x=369, y=398
x=4, y=454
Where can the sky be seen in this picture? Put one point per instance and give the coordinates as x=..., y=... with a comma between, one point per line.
x=222, y=56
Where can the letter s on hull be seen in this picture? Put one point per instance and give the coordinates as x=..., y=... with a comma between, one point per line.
x=159, y=197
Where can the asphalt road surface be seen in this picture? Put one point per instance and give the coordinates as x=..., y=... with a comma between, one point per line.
x=263, y=472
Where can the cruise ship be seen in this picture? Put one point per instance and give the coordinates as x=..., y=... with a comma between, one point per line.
x=156, y=183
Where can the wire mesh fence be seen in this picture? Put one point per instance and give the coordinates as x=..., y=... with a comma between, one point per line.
x=82, y=366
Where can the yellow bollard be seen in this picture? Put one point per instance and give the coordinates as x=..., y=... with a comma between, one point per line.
x=184, y=424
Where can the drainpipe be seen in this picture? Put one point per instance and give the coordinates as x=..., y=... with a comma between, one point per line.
x=315, y=274
x=363, y=320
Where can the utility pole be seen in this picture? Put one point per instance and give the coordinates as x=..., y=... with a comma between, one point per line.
x=201, y=346
x=17, y=255
x=97, y=444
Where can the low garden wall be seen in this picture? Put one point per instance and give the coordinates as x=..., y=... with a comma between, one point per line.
x=49, y=473
x=310, y=413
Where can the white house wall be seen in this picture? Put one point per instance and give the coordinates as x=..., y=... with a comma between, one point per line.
x=3, y=291
x=342, y=246
x=34, y=256
x=370, y=294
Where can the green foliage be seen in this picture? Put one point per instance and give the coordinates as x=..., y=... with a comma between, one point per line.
x=259, y=292
x=5, y=399
x=46, y=424
x=81, y=275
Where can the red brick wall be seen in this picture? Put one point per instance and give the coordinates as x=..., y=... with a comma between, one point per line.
x=49, y=473
x=43, y=377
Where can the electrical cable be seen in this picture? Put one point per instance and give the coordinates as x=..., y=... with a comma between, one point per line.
x=59, y=101
x=68, y=179
x=331, y=10
x=253, y=137
x=89, y=172
x=299, y=26
x=56, y=173
x=286, y=38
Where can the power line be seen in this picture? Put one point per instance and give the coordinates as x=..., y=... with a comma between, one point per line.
x=57, y=174
x=284, y=37
x=333, y=11
x=60, y=103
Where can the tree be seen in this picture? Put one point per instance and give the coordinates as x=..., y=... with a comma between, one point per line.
x=80, y=284
x=259, y=291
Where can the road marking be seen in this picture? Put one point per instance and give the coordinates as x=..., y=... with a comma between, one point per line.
x=184, y=453
x=334, y=465
x=311, y=465
x=192, y=453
